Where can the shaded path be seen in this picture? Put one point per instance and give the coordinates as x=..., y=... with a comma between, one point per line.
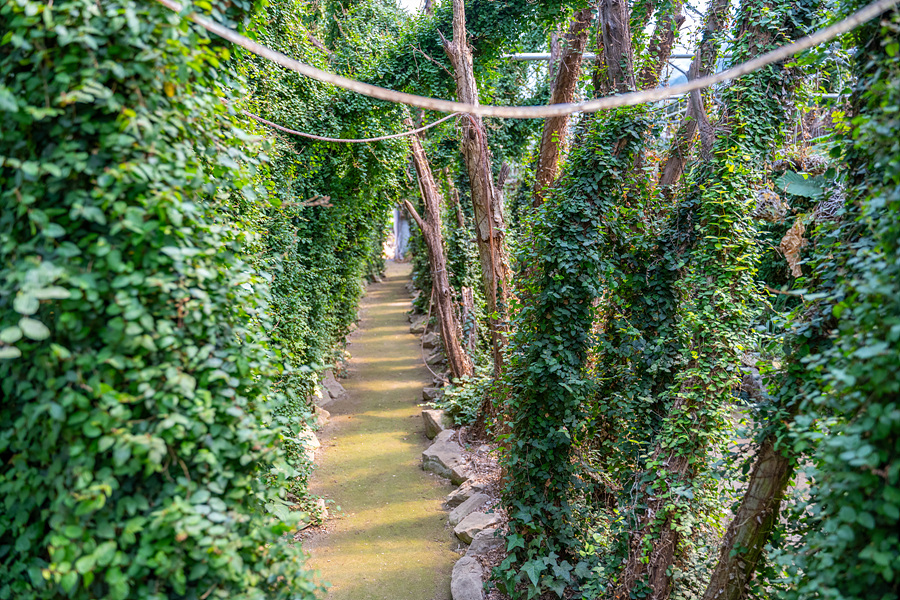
x=388, y=540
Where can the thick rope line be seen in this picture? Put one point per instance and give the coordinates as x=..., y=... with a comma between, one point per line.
x=345, y=140
x=538, y=112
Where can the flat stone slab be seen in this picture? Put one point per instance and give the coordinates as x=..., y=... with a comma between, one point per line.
x=466, y=508
x=434, y=422
x=466, y=580
x=463, y=493
x=475, y=523
x=459, y=474
x=486, y=541
x=443, y=456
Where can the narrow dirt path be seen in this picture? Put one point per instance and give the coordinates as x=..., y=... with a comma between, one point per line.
x=388, y=539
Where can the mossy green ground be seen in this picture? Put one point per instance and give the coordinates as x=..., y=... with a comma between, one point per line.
x=388, y=540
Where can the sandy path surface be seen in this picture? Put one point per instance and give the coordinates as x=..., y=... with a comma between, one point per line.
x=387, y=538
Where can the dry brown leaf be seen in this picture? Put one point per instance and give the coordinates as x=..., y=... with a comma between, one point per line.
x=791, y=244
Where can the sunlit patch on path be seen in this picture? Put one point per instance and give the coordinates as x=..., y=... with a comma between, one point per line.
x=388, y=541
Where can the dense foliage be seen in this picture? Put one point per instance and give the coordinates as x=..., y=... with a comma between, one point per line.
x=700, y=388
x=850, y=540
x=138, y=443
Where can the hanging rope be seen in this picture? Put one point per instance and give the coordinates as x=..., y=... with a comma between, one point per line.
x=538, y=112
x=346, y=140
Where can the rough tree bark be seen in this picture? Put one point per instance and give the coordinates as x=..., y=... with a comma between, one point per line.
x=489, y=225
x=660, y=47
x=617, y=52
x=467, y=303
x=451, y=332
x=703, y=64
x=749, y=531
x=553, y=140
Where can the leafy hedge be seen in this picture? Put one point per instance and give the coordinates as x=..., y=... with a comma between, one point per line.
x=135, y=434
x=851, y=525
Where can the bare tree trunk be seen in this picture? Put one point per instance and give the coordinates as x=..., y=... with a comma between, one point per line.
x=457, y=359
x=553, y=140
x=660, y=48
x=704, y=63
x=749, y=532
x=489, y=225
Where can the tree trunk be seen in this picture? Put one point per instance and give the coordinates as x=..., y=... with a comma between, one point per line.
x=618, y=54
x=704, y=63
x=749, y=532
x=553, y=140
x=467, y=303
x=489, y=225
x=660, y=48
x=713, y=342
x=457, y=359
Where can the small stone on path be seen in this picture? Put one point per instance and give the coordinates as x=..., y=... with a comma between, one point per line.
x=434, y=422
x=463, y=493
x=443, y=456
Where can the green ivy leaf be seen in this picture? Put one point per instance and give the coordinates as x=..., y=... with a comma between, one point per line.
x=34, y=329
x=11, y=335
x=25, y=304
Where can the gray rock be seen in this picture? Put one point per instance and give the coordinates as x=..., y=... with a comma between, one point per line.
x=418, y=326
x=434, y=422
x=446, y=435
x=430, y=394
x=463, y=493
x=443, y=456
x=465, y=582
x=459, y=474
x=321, y=397
x=486, y=541
x=431, y=340
x=475, y=523
x=309, y=441
x=321, y=415
x=335, y=389
x=466, y=508
x=436, y=357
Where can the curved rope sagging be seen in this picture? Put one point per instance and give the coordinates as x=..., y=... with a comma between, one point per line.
x=552, y=110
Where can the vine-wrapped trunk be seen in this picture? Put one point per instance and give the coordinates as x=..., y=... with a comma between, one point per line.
x=488, y=209
x=457, y=359
x=703, y=64
x=553, y=139
x=717, y=292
